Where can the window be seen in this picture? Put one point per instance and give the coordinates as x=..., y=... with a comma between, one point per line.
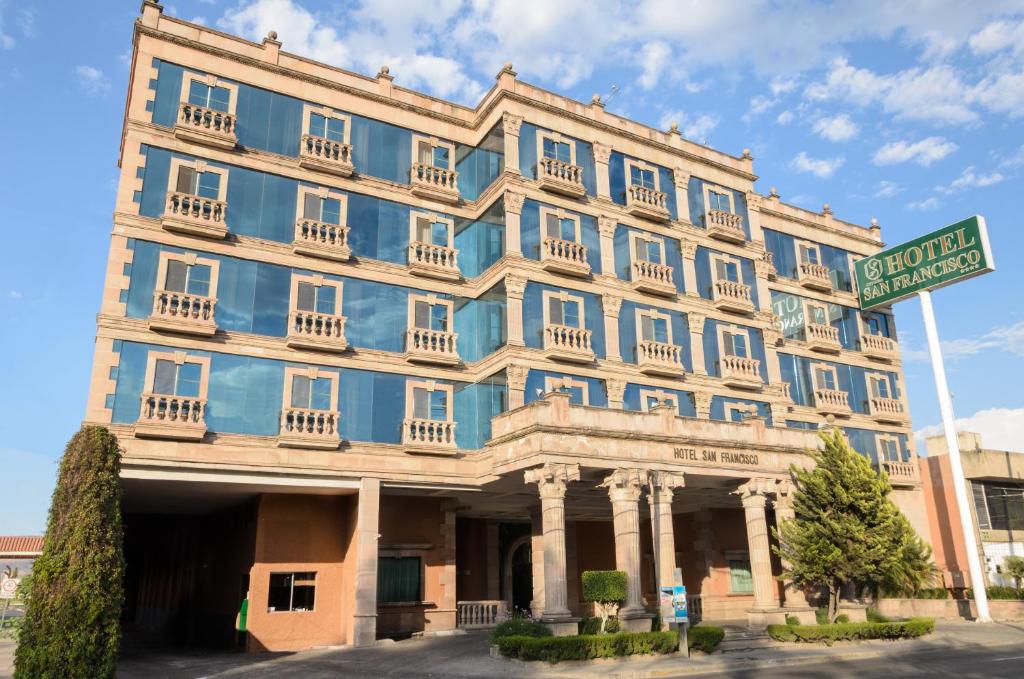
x=727, y=268
x=316, y=297
x=824, y=376
x=176, y=379
x=652, y=398
x=430, y=313
x=197, y=178
x=208, y=92
x=888, y=448
x=654, y=326
x=817, y=313
x=560, y=224
x=875, y=324
x=399, y=579
x=643, y=176
x=564, y=310
x=433, y=152
x=808, y=253
x=187, y=274
x=429, y=400
x=734, y=341
x=311, y=393
x=291, y=592
x=648, y=249
x=740, y=579
x=553, y=145
x=578, y=390
x=324, y=209
x=1005, y=505
x=740, y=412
x=327, y=124
x=717, y=198
x=879, y=386
x=431, y=229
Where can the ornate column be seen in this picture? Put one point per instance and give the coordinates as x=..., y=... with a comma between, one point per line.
x=513, y=216
x=606, y=230
x=689, y=252
x=754, y=495
x=515, y=375
x=681, y=178
x=551, y=480
x=602, y=153
x=696, y=322
x=661, y=486
x=772, y=338
x=611, y=305
x=702, y=403
x=764, y=295
x=624, y=487
x=795, y=600
x=515, y=288
x=510, y=123
x=616, y=390
x=364, y=612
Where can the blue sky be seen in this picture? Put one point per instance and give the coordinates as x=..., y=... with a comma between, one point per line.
x=912, y=113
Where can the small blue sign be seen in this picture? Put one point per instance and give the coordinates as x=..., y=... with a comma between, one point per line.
x=679, y=604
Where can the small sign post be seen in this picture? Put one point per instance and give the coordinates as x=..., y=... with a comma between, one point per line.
x=949, y=255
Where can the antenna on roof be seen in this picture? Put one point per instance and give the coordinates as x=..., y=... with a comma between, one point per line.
x=611, y=95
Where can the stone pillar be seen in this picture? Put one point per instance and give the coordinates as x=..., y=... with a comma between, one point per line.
x=766, y=611
x=602, y=154
x=624, y=488
x=795, y=600
x=511, y=123
x=606, y=229
x=536, y=563
x=661, y=486
x=364, y=612
x=493, y=546
x=551, y=480
x=689, y=252
x=513, y=221
x=764, y=294
x=696, y=322
x=754, y=216
x=611, y=304
x=779, y=414
x=702, y=403
x=444, y=616
x=616, y=391
x=515, y=288
x=515, y=375
x=772, y=338
x=681, y=178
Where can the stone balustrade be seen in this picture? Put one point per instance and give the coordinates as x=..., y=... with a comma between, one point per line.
x=564, y=256
x=183, y=313
x=428, y=436
x=164, y=416
x=822, y=337
x=741, y=372
x=887, y=410
x=724, y=226
x=195, y=215
x=733, y=297
x=901, y=473
x=309, y=428
x=423, y=345
x=205, y=126
x=561, y=177
x=434, y=261
x=814, y=276
x=316, y=331
x=562, y=342
x=333, y=157
x=659, y=358
x=653, y=278
x=480, y=614
x=320, y=239
x=647, y=203
x=832, y=402
x=878, y=347
x=438, y=183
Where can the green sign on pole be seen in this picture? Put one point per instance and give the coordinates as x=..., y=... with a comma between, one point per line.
x=951, y=254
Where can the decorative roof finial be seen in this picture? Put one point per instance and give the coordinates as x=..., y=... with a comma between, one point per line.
x=673, y=128
x=272, y=35
x=773, y=193
x=826, y=209
x=746, y=155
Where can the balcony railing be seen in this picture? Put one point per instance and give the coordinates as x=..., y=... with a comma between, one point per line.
x=565, y=343
x=205, y=126
x=647, y=203
x=659, y=358
x=822, y=337
x=741, y=372
x=564, y=256
x=832, y=402
x=309, y=428
x=181, y=418
x=423, y=345
x=428, y=436
x=434, y=182
x=901, y=473
x=316, y=331
x=878, y=347
x=653, y=278
x=732, y=296
x=434, y=261
x=195, y=215
x=560, y=177
x=319, y=239
x=334, y=157
x=887, y=410
x=183, y=313
x=724, y=226
x=814, y=276
x=480, y=614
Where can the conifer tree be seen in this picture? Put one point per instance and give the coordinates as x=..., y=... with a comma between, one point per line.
x=71, y=628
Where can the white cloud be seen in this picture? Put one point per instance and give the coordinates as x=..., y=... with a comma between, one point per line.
x=836, y=128
x=1005, y=338
x=759, y=104
x=784, y=118
x=782, y=85
x=998, y=36
x=24, y=19
x=694, y=129
x=14, y=294
x=968, y=179
x=1015, y=158
x=923, y=152
x=822, y=168
x=926, y=205
x=1000, y=429
x=653, y=58
x=887, y=189
x=299, y=30
x=92, y=80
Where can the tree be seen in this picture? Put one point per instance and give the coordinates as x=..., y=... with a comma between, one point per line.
x=1014, y=567
x=71, y=628
x=846, y=529
x=908, y=567
x=607, y=589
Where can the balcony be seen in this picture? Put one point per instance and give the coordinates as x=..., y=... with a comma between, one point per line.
x=436, y=183
x=724, y=226
x=195, y=215
x=647, y=203
x=324, y=155
x=814, y=276
x=659, y=358
x=423, y=345
x=564, y=256
x=319, y=239
x=560, y=177
x=480, y=614
x=563, y=343
x=183, y=313
x=316, y=331
x=901, y=473
x=308, y=428
x=655, y=279
x=428, y=437
x=823, y=338
x=887, y=410
x=832, y=402
x=733, y=297
x=205, y=126
x=434, y=261
x=741, y=372
x=176, y=418
x=878, y=347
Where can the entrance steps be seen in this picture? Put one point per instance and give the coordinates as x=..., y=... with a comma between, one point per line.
x=740, y=638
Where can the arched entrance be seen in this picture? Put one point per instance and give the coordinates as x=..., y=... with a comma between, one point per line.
x=517, y=575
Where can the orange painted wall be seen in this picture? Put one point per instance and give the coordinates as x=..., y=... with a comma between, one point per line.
x=948, y=548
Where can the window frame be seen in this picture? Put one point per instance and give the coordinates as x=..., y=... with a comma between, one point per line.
x=744, y=409
x=635, y=236
x=654, y=315
x=327, y=112
x=210, y=80
x=815, y=366
x=201, y=166
x=880, y=451
x=563, y=296
x=871, y=378
x=734, y=330
x=291, y=594
x=322, y=192
x=810, y=245
x=741, y=556
x=708, y=188
x=810, y=304
x=553, y=384
x=560, y=214
x=405, y=553
x=430, y=386
x=189, y=259
x=313, y=373
x=556, y=138
x=432, y=300
x=179, y=358
x=664, y=398
x=630, y=163
x=434, y=219
x=316, y=280
x=725, y=258
x=434, y=143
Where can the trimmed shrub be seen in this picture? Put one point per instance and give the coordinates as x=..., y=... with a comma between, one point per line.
x=875, y=616
x=842, y=619
x=828, y=634
x=932, y=593
x=607, y=589
x=612, y=626
x=519, y=627
x=588, y=647
x=997, y=592
x=704, y=638
x=792, y=620
x=821, y=616
x=592, y=625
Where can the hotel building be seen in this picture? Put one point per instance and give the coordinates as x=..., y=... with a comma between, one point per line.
x=384, y=364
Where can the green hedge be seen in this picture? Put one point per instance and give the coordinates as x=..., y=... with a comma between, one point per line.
x=519, y=627
x=588, y=647
x=704, y=638
x=850, y=631
x=998, y=592
x=592, y=625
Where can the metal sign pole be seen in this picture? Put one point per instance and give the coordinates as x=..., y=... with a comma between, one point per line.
x=959, y=483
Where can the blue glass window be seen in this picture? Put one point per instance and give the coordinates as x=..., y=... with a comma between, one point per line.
x=655, y=329
x=727, y=270
x=817, y=314
x=173, y=379
x=809, y=254
x=320, y=299
x=648, y=250
x=720, y=201
x=735, y=344
x=326, y=210
x=430, y=405
x=874, y=324
x=559, y=150
x=332, y=129
x=428, y=154
x=431, y=316
x=313, y=394
x=205, y=184
x=639, y=176
x=201, y=94
x=435, y=232
x=560, y=227
x=564, y=312
x=194, y=279
x=890, y=449
x=880, y=388
x=824, y=378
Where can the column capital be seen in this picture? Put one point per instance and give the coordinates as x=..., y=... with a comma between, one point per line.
x=514, y=202
x=624, y=485
x=616, y=389
x=511, y=122
x=772, y=336
x=553, y=478
x=681, y=178
x=664, y=482
x=753, y=200
x=606, y=225
x=784, y=497
x=754, y=493
x=515, y=375
x=696, y=322
x=688, y=248
x=515, y=286
x=602, y=152
x=611, y=304
x=702, y=402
